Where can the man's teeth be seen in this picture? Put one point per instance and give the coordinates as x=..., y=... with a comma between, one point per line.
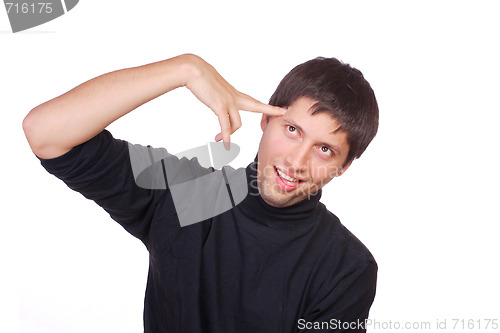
x=282, y=175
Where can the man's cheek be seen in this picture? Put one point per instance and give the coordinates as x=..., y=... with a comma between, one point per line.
x=320, y=173
x=268, y=171
x=322, y=176
x=277, y=142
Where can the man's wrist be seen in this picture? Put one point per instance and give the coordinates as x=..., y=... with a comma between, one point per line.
x=189, y=68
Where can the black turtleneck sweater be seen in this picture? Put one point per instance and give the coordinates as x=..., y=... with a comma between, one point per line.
x=254, y=268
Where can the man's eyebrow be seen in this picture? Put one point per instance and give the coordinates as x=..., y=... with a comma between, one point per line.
x=329, y=145
x=332, y=147
x=293, y=123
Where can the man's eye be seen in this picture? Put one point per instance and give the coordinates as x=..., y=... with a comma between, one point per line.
x=327, y=151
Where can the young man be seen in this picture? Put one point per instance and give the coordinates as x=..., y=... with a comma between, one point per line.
x=277, y=260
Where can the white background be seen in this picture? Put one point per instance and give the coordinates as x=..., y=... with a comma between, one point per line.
x=423, y=198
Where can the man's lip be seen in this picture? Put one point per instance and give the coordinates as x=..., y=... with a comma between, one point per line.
x=289, y=175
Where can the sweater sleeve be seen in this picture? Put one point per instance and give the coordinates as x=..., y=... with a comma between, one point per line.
x=343, y=304
x=100, y=169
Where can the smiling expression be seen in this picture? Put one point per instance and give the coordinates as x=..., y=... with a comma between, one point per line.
x=299, y=153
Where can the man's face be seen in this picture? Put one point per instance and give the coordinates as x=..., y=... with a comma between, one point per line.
x=299, y=153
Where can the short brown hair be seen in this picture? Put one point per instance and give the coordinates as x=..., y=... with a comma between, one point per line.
x=340, y=90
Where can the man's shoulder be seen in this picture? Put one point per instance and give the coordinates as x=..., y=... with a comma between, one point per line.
x=342, y=240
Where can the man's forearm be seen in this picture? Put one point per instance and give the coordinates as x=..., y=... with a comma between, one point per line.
x=58, y=125
x=64, y=122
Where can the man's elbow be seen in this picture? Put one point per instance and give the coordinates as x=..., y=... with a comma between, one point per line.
x=36, y=133
x=30, y=124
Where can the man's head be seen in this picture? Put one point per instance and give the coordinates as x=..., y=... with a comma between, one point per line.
x=332, y=117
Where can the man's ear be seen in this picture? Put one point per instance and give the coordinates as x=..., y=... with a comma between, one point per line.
x=264, y=121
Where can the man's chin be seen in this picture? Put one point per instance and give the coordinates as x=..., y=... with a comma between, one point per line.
x=277, y=203
x=280, y=200
x=274, y=196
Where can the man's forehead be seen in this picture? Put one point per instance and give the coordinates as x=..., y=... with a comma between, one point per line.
x=318, y=119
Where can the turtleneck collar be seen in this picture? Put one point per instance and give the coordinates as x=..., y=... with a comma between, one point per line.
x=292, y=217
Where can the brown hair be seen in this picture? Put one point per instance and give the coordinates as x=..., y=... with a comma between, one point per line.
x=340, y=90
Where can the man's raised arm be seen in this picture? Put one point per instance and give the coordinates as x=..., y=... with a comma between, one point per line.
x=64, y=122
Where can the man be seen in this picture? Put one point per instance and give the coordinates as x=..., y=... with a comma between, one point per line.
x=277, y=261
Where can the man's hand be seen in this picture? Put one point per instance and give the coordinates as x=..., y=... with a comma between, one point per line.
x=222, y=98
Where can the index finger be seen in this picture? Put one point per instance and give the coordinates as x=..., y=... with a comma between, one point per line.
x=251, y=104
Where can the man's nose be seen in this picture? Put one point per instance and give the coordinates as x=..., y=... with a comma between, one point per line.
x=297, y=158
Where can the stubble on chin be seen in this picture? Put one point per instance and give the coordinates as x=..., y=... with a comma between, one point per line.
x=273, y=195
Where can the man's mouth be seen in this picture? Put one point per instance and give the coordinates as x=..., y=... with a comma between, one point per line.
x=286, y=182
